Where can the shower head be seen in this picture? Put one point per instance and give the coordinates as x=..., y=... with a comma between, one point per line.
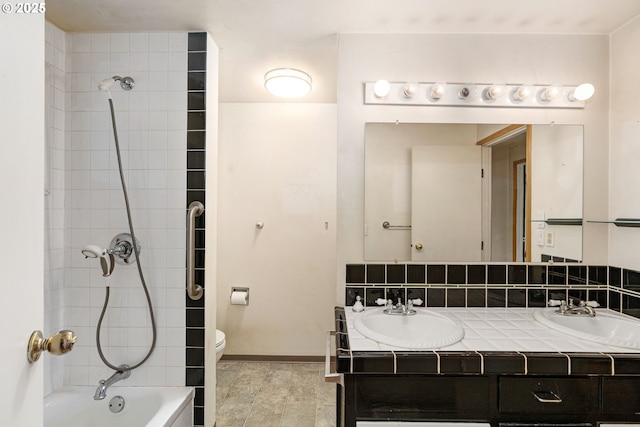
x=93, y=251
x=126, y=83
x=107, y=261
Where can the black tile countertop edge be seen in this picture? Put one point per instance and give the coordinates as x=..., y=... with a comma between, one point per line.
x=435, y=362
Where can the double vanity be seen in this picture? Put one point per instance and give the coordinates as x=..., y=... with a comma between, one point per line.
x=488, y=366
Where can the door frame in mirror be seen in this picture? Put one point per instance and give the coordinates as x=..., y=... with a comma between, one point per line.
x=495, y=139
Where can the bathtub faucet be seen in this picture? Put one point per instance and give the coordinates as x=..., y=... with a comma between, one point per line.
x=101, y=391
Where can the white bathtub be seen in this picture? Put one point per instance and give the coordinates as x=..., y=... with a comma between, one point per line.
x=144, y=406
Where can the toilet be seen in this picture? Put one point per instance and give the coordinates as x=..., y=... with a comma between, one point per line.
x=220, y=344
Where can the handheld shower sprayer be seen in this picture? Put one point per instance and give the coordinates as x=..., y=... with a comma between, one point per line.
x=126, y=83
x=120, y=251
x=107, y=260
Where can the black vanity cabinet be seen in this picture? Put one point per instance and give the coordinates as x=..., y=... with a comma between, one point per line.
x=504, y=389
x=501, y=400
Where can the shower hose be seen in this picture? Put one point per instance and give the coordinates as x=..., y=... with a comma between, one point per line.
x=137, y=253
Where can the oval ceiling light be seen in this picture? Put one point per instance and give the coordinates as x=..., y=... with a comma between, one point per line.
x=287, y=82
x=582, y=92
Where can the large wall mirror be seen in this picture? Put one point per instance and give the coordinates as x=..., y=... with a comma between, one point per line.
x=473, y=192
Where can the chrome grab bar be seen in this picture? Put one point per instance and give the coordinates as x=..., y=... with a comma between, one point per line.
x=331, y=377
x=195, y=291
x=387, y=226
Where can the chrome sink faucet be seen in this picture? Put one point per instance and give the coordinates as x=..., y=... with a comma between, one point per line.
x=574, y=308
x=103, y=385
x=397, y=309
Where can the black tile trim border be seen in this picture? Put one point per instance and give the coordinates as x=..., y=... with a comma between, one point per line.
x=195, y=172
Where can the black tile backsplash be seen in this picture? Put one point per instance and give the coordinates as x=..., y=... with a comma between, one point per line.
x=495, y=285
x=631, y=280
x=537, y=274
x=457, y=274
x=196, y=191
x=372, y=294
x=476, y=297
x=436, y=297
x=477, y=274
x=376, y=273
x=517, y=274
x=456, y=297
x=496, y=297
x=497, y=274
x=397, y=295
x=577, y=274
x=416, y=273
x=598, y=274
x=396, y=273
x=436, y=274
x=516, y=298
x=615, y=276
x=355, y=273
x=557, y=275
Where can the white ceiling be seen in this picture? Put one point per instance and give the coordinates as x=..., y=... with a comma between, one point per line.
x=255, y=36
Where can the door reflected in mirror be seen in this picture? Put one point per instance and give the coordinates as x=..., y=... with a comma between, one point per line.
x=473, y=192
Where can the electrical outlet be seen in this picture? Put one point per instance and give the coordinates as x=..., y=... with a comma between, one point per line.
x=551, y=239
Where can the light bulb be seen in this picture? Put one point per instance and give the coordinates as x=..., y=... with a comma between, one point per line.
x=381, y=89
x=551, y=92
x=438, y=90
x=410, y=90
x=466, y=91
x=521, y=93
x=582, y=92
x=493, y=92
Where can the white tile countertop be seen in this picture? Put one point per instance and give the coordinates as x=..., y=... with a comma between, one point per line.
x=496, y=329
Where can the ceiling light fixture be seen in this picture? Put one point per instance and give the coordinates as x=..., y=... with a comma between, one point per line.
x=287, y=82
x=582, y=92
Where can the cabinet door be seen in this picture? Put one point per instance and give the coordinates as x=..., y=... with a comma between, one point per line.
x=548, y=395
x=621, y=396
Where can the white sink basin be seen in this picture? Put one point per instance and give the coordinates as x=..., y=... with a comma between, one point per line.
x=607, y=327
x=425, y=330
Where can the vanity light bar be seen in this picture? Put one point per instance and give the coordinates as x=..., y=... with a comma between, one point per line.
x=474, y=94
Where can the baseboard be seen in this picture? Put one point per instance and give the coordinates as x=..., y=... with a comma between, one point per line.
x=266, y=358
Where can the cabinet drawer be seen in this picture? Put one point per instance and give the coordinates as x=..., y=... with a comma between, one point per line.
x=547, y=395
x=621, y=396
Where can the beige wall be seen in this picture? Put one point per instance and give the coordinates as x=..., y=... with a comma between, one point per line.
x=476, y=58
x=624, y=161
x=277, y=164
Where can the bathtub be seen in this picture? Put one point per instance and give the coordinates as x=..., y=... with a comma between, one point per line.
x=143, y=406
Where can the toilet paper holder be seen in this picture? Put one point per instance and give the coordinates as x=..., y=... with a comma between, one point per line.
x=239, y=289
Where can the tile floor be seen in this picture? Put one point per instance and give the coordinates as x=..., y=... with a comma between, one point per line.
x=274, y=394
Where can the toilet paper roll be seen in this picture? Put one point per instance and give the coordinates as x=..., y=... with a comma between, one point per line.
x=239, y=298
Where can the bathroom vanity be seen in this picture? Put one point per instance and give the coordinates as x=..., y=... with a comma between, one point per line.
x=508, y=370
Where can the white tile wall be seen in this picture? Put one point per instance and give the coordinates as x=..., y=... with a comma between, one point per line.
x=54, y=275
x=151, y=121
